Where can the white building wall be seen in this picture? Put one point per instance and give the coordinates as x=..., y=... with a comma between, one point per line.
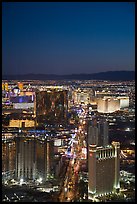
x=124, y=102
x=23, y=105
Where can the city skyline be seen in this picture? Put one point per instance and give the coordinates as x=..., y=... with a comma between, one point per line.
x=60, y=138
x=67, y=38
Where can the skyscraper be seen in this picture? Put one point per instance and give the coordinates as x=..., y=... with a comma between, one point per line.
x=103, y=166
x=51, y=106
x=34, y=158
x=45, y=158
x=103, y=160
x=25, y=158
x=98, y=132
x=102, y=133
x=8, y=159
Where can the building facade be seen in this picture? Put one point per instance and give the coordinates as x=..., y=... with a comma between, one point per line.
x=103, y=169
x=34, y=158
x=108, y=105
x=22, y=123
x=45, y=158
x=51, y=106
x=8, y=159
x=112, y=104
x=98, y=132
x=25, y=159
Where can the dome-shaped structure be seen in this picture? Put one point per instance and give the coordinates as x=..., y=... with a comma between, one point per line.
x=16, y=90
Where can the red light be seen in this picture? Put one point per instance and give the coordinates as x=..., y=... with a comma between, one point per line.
x=91, y=154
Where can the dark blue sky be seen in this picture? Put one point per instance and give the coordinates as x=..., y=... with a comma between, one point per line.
x=66, y=38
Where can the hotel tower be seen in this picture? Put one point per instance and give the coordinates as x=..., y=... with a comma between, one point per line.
x=103, y=162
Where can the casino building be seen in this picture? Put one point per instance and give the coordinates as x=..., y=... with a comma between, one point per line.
x=34, y=158
x=103, y=160
x=51, y=106
x=103, y=169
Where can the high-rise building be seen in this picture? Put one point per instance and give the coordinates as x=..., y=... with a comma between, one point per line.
x=93, y=132
x=34, y=158
x=51, y=107
x=103, y=133
x=98, y=132
x=8, y=159
x=25, y=158
x=103, y=167
x=103, y=160
x=45, y=158
x=28, y=158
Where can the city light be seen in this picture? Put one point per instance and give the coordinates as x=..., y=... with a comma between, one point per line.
x=127, y=129
x=51, y=156
x=21, y=181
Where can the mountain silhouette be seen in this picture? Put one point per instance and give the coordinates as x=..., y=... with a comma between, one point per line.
x=110, y=75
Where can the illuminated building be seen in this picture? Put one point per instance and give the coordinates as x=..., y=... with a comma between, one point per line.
x=51, y=106
x=16, y=91
x=6, y=87
x=108, y=105
x=82, y=96
x=57, y=142
x=45, y=158
x=101, y=94
x=103, y=160
x=93, y=132
x=124, y=101
x=25, y=158
x=3, y=86
x=22, y=102
x=103, y=168
x=22, y=99
x=98, y=132
x=20, y=110
x=112, y=104
x=28, y=158
x=8, y=159
x=27, y=93
x=103, y=133
x=21, y=123
x=23, y=105
x=20, y=86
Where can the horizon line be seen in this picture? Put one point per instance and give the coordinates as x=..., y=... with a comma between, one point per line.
x=71, y=73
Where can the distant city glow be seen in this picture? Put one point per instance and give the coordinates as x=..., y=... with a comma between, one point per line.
x=51, y=155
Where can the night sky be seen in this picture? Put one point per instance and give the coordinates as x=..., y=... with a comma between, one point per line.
x=67, y=38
